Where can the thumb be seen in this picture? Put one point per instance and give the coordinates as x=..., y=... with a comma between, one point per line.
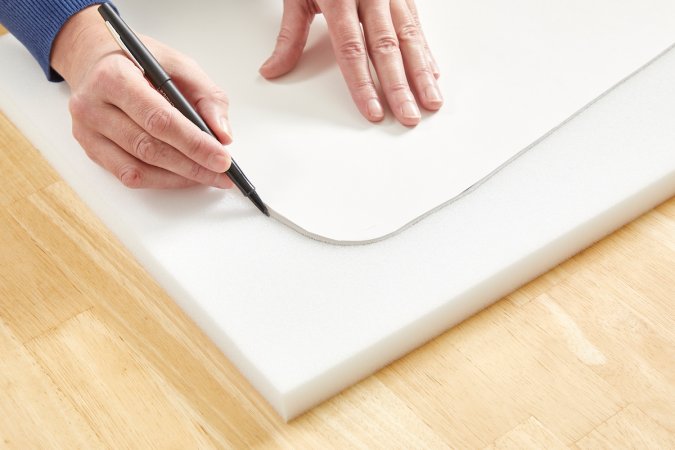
x=291, y=41
x=213, y=107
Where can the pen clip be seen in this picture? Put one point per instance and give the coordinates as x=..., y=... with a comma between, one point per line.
x=124, y=48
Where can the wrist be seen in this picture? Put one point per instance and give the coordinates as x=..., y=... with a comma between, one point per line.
x=82, y=40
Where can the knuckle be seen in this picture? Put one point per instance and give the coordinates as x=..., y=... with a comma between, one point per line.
x=220, y=96
x=106, y=78
x=409, y=32
x=363, y=85
x=385, y=45
x=287, y=38
x=77, y=106
x=351, y=49
x=101, y=75
x=197, y=171
x=78, y=133
x=196, y=144
x=130, y=176
x=398, y=87
x=284, y=36
x=423, y=72
x=158, y=120
x=145, y=147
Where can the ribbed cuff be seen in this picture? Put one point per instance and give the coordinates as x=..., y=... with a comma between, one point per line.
x=37, y=22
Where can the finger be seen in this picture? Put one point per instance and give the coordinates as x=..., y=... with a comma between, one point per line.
x=383, y=46
x=291, y=40
x=430, y=57
x=208, y=99
x=130, y=171
x=153, y=113
x=415, y=59
x=134, y=140
x=350, y=50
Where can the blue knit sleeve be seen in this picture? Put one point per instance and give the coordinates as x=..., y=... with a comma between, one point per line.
x=37, y=22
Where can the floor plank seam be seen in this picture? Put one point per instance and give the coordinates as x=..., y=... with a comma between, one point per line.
x=60, y=393
x=622, y=409
x=55, y=327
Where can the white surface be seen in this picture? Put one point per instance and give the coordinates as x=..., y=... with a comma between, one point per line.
x=326, y=316
x=512, y=71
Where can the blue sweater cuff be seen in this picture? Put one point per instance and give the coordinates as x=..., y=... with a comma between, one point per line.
x=37, y=22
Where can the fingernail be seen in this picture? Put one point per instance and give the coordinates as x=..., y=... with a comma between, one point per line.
x=223, y=182
x=219, y=162
x=409, y=110
x=225, y=126
x=375, y=110
x=266, y=64
x=433, y=95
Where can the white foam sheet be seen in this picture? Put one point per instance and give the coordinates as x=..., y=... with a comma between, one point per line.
x=325, y=316
x=512, y=71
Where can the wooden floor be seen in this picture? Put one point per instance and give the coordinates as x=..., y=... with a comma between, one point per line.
x=94, y=354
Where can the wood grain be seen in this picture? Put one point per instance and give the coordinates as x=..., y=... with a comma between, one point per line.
x=94, y=354
x=529, y=434
x=629, y=425
x=33, y=412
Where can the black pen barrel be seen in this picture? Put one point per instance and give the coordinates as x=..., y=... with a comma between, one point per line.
x=152, y=68
x=174, y=96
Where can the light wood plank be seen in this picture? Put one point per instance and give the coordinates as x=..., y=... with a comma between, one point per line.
x=33, y=412
x=515, y=373
x=435, y=387
x=530, y=434
x=23, y=170
x=369, y=415
x=100, y=374
x=630, y=428
x=631, y=352
x=34, y=293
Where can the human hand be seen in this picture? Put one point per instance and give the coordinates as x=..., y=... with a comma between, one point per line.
x=129, y=128
x=393, y=39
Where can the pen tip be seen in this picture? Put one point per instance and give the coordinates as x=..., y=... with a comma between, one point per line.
x=255, y=198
